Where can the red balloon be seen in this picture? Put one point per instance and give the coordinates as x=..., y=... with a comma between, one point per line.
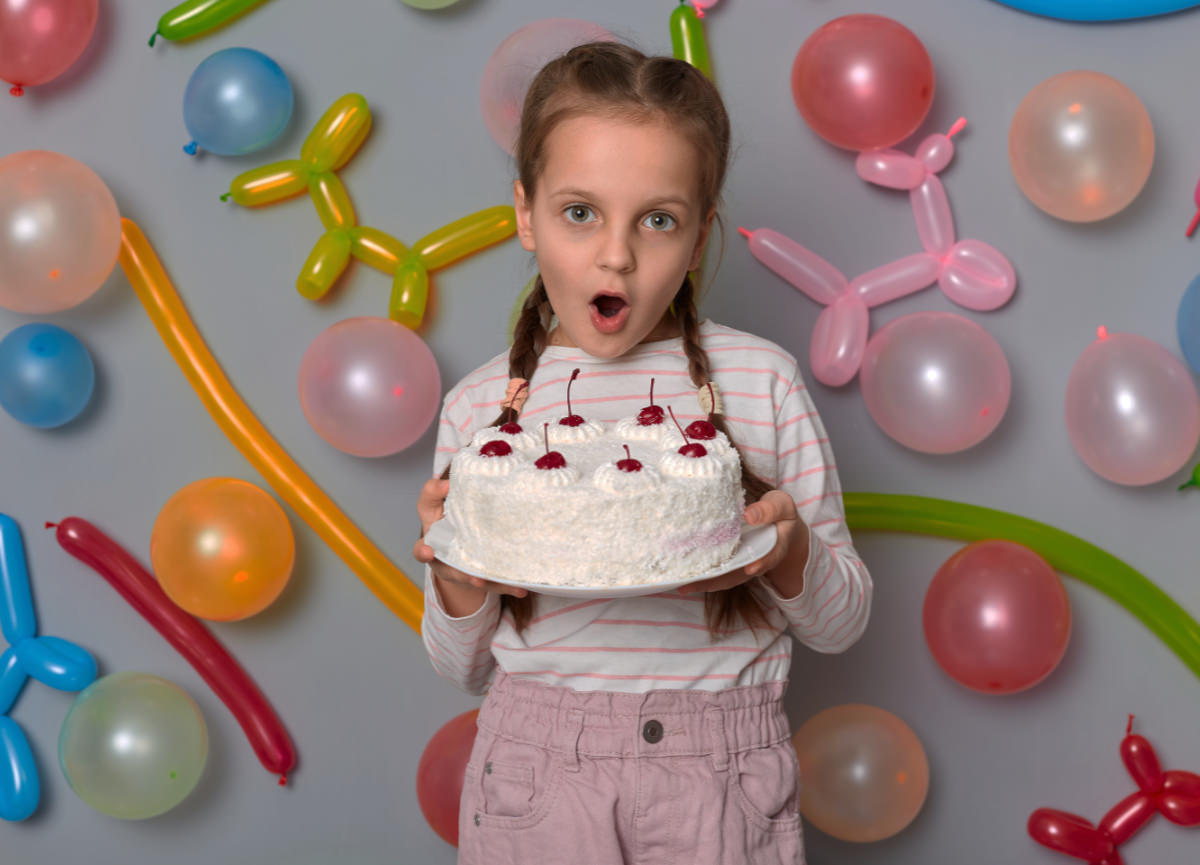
x=996, y=617
x=1139, y=758
x=190, y=638
x=39, y=39
x=863, y=82
x=440, y=774
x=1127, y=816
x=1180, y=799
x=1068, y=833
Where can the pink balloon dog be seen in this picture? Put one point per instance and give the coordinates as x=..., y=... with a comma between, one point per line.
x=971, y=273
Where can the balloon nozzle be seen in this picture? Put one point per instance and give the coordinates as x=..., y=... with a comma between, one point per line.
x=190, y=148
x=743, y=232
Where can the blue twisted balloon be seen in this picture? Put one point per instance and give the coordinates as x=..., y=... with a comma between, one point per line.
x=54, y=661
x=1100, y=10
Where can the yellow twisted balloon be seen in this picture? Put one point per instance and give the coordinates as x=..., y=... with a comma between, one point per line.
x=333, y=141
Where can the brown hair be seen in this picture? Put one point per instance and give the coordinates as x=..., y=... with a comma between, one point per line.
x=614, y=80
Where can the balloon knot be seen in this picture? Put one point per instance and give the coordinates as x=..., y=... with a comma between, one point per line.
x=17, y=90
x=1102, y=332
x=50, y=525
x=153, y=36
x=190, y=148
x=283, y=780
x=957, y=127
x=1129, y=726
x=226, y=196
x=743, y=232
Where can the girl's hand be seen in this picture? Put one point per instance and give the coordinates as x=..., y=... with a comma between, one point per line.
x=775, y=507
x=431, y=508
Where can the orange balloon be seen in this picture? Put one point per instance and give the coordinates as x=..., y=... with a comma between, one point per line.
x=222, y=549
x=863, y=772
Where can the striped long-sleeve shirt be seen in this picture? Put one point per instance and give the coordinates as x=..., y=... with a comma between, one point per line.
x=661, y=641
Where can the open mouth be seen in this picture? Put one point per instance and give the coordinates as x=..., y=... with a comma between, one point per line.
x=608, y=305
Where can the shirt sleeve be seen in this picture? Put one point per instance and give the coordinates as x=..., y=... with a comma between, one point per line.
x=831, y=611
x=460, y=649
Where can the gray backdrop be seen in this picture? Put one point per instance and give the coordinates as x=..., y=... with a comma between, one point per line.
x=351, y=681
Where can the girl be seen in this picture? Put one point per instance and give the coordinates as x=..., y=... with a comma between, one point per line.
x=647, y=729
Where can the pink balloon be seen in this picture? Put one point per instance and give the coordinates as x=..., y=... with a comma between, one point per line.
x=1132, y=409
x=997, y=618
x=935, y=381
x=515, y=62
x=369, y=386
x=39, y=39
x=864, y=772
x=863, y=82
x=60, y=232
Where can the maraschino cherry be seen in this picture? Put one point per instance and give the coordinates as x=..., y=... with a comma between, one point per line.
x=652, y=414
x=497, y=448
x=511, y=427
x=571, y=419
x=704, y=429
x=550, y=459
x=692, y=449
x=629, y=464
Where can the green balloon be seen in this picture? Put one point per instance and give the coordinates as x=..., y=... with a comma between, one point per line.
x=1065, y=553
x=430, y=4
x=133, y=745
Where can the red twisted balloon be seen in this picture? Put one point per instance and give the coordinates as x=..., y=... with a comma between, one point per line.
x=1174, y=794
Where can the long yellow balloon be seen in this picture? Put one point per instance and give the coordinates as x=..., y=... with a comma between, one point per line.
x=148, y=278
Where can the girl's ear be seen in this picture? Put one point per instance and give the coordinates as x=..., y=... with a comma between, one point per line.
x=701, y=239
x=524, y=209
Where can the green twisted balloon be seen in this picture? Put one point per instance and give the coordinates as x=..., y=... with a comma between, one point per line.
x=1064, y=552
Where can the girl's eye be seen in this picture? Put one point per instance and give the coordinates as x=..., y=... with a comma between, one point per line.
x=659, y=221
x=579, y=214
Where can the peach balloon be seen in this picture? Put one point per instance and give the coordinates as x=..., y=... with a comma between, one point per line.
x=863, y=772
x=60, y=232
x=1081, y=146
x=863, y=82
x=222, y=549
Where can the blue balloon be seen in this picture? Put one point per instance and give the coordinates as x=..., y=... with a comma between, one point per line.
x=19, y=785
x=46, y=375
x=12, y=679
x=17, y=619
x=1187, y=324
x=1100, y=10
x=58, y=663
x=236, y=102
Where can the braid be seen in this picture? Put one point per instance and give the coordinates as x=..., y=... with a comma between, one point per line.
x=529, y=341
x=721, y=609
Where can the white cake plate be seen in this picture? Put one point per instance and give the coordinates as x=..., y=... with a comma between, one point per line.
x=756, y=542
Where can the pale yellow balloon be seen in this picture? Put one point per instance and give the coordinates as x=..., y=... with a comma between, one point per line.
x=863, y=772
x=1081, y=146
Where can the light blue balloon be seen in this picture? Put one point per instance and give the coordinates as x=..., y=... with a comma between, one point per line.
x=236, y=102
x=1100, y=10
x=46, y=375
x=1187, y=324
x=20, y=788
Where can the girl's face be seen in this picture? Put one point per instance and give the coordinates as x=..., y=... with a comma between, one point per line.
x=616, y=225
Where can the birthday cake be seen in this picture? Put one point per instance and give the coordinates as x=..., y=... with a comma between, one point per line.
x=576, y=503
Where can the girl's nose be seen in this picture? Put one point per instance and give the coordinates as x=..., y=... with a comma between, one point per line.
x=616, y=252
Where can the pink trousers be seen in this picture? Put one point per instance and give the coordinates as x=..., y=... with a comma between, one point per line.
x=563, y=777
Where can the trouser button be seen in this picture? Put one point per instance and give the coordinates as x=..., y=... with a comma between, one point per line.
x=652, y=732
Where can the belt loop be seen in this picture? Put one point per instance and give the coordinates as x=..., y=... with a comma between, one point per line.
x=715, y=716
x=572, y=730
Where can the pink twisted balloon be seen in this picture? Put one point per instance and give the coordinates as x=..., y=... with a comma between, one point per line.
x=971, y=273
